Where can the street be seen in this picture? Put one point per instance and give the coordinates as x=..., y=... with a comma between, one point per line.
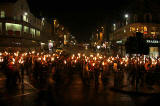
x=73, y=93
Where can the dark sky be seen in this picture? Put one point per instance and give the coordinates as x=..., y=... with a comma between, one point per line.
x=80, y=17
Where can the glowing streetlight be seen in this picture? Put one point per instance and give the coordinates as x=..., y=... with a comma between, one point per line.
x=126, y=16
x=54, y=22
x=114, y=27
x=98, y=47
x=25, y=13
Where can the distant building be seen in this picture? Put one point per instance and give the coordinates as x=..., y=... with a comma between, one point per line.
x=20, y=28
x=98, y=36
x=62, y=33
x=141, y=16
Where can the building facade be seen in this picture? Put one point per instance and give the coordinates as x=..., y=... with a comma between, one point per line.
x=20, y=28
x=142, y=16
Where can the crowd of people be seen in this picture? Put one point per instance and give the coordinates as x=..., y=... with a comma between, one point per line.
x=59, y=67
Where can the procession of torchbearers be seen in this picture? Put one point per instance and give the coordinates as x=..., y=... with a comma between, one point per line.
x=40, y=66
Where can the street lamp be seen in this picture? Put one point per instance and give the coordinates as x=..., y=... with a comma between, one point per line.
x=42, y=22
x=54, y=22
x=126, y=17
x=114, y=27
x=25, y=13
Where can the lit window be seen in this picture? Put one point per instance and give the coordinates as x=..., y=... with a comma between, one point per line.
x=25, y=18
x=13, y=28
x=153, y=33
x=32, y=31
x=37, y=33
x=26, y=29
x=145, y=29
x=2, y=14
x=62, y=28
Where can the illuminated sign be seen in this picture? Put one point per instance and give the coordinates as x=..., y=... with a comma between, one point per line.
x=119, y=42
x=152, y=41
x=145, y=32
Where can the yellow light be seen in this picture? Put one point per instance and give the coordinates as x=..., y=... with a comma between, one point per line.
x=25, y=54
x=52, y=59
x=21, y=61
x=91, y=55
x=13, y=60
x=33, y=52
x=103, y=63
x=1, y=59
x=97, y=54
x=100, y=57
x=39, y=58
x=16, y=54
x=6, y=53
x=54, y=22
x=140, y=62
x=44, y=58
x=65, y=62
x=79, y=54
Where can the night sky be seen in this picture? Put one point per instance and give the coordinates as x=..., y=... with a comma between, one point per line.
x=81, y=18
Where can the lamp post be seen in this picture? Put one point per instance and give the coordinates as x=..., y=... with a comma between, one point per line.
x=126, y=17
x=114, y=27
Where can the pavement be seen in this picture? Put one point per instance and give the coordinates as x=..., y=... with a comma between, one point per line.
x=75, y=93
x=21, y=89
x=145, y=89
